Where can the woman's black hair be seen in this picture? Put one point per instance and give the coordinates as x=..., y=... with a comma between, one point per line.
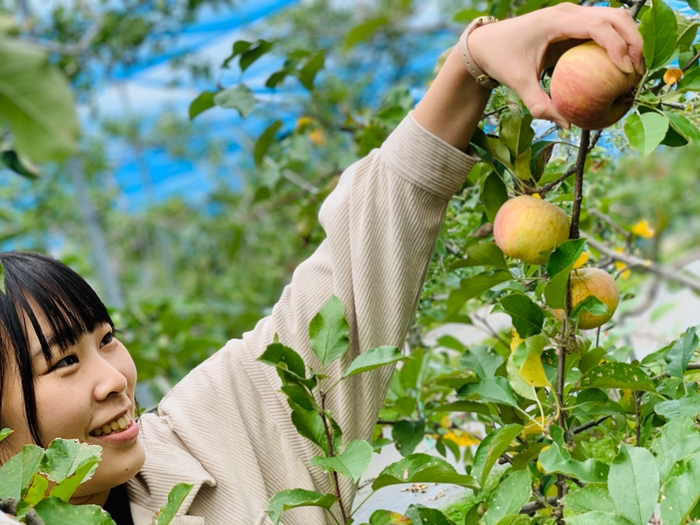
x=71, y=308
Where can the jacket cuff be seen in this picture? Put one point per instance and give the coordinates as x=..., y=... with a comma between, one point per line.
x=426, y=160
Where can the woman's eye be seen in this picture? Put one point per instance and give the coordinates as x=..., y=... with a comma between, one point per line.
x=108, y=338
x=66, y=361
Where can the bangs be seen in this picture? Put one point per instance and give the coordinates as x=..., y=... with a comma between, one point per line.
x=38, y=286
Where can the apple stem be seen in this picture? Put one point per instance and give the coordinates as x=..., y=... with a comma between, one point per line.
x=578, y=187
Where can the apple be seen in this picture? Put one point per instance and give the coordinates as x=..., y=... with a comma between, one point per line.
x=585, y=282
x=589, y=90
x=526, y=226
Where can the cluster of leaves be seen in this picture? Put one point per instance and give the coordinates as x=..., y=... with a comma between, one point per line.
x=63, y=466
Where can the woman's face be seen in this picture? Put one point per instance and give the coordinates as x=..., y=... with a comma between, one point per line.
x=79, y=394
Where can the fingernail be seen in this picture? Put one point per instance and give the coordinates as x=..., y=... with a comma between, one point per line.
x=627, y=65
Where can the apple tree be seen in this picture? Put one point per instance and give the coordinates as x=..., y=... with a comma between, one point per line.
x=576, y=427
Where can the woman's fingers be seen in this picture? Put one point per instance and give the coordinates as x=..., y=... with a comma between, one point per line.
x=539, y=103
x=606, y=36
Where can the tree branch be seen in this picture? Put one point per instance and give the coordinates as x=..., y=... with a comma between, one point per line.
x=578, y=186
x=644, y=265
x=73, y=49
x=534, y=506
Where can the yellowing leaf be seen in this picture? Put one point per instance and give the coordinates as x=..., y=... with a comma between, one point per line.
x=619, y=265
x=582, y=259
x=445, y=422
x=462, y=438
x=535, y=426
x=303, y=121
x=515, y=340
x=318, y=137
x=672, y=75
x=642, y=229
x=532, y=371
x=536, y=195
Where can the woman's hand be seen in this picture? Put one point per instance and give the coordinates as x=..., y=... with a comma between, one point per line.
x=515, y=51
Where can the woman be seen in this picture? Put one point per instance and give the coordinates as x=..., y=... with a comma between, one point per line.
x=225, y=428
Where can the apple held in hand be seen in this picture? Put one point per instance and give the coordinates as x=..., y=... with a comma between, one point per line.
x=585, y=282
x=526, y=226
x=589, y=90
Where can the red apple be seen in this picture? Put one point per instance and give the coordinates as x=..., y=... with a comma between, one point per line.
x=526, y=226
x=585, y=282
x=589, y=90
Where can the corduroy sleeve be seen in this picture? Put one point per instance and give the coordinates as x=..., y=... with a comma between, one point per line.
x=381, y=224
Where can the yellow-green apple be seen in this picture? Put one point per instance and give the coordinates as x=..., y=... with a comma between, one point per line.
x=585, y=282
x=526, y=226
x=589, y=90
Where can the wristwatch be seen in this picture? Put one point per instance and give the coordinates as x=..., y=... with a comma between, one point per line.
x=481, y=78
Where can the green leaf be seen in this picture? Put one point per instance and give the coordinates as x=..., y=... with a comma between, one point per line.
x=492, y=448
x=690, y=81
x=352, y=463
x=310, y=70
x=509, y=497
x=421, y=468
x=292, y=499
x=374, y=358
x=482, y=254
x=591, y=498
x=364, y=31
x=253, y=52
x=423, y=516
x=310, y=425
x=687, y=31
x=54, y=511
x=463, y=406
x=558, y=268
x=590, y=304
x=203, y=102
x=633, y=483
x=5, y=431
x=299, y=395
x=407, y=435
x=20, y=166
x=597, y=518
x=516, y=132
x=329, y=331
x=646, y=132
x=617, y=375
x=527, y=317
x=658, y=29
x=69, y=463
x=558, y=460
x=694, y=5
x=474, y=286
x=681, y=493
x=17, y=472
x=491, y=390
x=683, y=126
x=239, y=47
x=280, y=356
x=386, y=517
x=482, y=360
x=682, y=351
x=678, y=439
x=264, y=141
x=176, y=498
x=493, y=195
x=239, y=97
x=36, y=99
x=688, y=405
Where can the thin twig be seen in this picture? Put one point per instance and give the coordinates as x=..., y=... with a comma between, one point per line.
x=642, y=264
x=74, y=49
x=692, y=61
x=534, y=506
x=610, y=222
x=586, y=426
x=331, y=453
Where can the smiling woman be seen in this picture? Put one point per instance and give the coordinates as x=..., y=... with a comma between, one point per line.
x=63, y=372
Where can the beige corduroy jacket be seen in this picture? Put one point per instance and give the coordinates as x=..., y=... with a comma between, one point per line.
x=226, y=427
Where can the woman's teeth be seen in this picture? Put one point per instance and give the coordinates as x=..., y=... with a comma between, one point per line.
x=115, y=426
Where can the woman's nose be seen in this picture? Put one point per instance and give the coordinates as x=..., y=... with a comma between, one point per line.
x=109, y=379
